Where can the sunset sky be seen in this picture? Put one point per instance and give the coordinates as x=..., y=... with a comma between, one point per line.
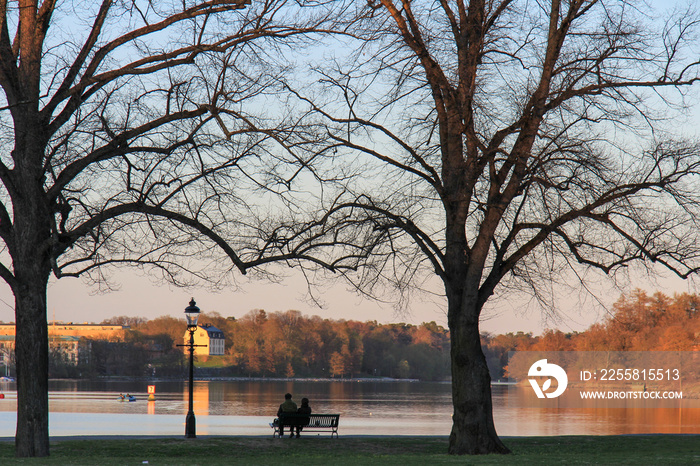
x=70, y=300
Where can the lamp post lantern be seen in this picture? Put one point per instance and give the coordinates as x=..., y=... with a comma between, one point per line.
x=192, y=314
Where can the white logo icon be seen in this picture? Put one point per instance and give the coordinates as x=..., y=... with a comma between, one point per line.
x=543, y=369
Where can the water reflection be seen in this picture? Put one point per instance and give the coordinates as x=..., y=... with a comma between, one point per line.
x=519, y=412
x=367, y=408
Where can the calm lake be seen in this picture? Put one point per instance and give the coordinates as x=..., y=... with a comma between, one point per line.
x=244, y=407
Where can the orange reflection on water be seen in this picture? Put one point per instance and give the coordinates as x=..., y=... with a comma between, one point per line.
x=524, y=414
x=679, y=420
x=200, y=397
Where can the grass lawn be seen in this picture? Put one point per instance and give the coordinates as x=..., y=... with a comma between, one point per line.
x=424, y=451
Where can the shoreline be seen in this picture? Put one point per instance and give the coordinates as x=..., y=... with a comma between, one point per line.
x=66, y=438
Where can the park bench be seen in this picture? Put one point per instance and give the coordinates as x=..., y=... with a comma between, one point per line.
x=316, y=422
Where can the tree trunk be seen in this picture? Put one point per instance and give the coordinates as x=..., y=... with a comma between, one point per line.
x=473, y=430
x=30, y=252
x=32, y=356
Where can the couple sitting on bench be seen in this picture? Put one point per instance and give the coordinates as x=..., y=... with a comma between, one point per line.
x=299, y=418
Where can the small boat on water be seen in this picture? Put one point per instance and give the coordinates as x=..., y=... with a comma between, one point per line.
x=127, y=397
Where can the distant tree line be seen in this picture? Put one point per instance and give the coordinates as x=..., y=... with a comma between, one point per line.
x=289, y=344
x=261, y=344
x=638, y=322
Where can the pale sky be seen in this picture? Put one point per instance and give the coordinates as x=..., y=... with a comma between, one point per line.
x=70, y=300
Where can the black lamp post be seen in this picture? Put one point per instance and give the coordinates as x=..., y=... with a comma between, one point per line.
x=192, y=314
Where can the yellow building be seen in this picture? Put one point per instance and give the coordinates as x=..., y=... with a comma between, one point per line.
x=210, y=339
x=64, y=338
x=94, y=331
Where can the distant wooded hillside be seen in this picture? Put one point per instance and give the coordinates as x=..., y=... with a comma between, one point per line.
x=638, y=322
x=289, y=344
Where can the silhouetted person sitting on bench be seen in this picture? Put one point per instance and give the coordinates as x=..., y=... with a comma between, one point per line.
x=303, y=409
x=287, y=407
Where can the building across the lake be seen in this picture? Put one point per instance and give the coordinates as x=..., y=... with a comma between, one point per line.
x=69, y=348
x=64, y=338
x=95, y=331
x=210, y=340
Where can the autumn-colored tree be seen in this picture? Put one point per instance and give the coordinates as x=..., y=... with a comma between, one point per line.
x=336, y=364
x=433, y=335
x=254, y=345
x=553, y=340
x=595, y=338
x=311, y=346
x=640, y=322
x=519, y=341
x=355, y=352
x=677, y=338
x=166, y=325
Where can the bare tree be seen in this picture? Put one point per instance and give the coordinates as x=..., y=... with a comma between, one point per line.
x=506, y=142
x=128, y=138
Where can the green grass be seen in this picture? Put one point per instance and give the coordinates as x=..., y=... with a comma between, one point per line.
x=578, y=450
x=212, y=362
